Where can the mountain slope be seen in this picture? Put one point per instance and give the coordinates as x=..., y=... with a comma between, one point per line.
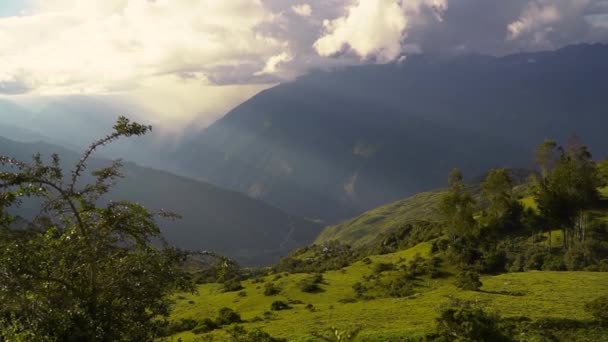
x=333, y=144
x=212, y=218
x=366, y=227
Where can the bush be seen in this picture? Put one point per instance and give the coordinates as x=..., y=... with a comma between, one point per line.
x=232, y=285
x=468, y=280
x=400, y=287
x=575, y=259
x=598, y=308
x=359, y=289
x=279, y=306
x=554, y=263
x=207, y=325
x=239, y=334
x=418, y=266
x=311, y=284
x=270, y=289
x=181, y=325
x=228, y=316
x=462, y=321
x=383, y=267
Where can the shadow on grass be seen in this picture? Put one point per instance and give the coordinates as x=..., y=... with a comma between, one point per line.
x=505, y=293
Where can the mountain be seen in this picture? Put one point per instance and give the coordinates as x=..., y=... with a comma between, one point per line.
x=330, y=145
x=76, y=121
x=212, y=218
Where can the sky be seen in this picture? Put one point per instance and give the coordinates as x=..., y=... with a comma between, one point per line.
x=190, y=61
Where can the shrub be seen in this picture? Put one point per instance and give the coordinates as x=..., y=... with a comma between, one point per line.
x=239, y=334
x=181, y=325
x=228, y=316
x=232, y=285
x=598, y=308
x=418, y=266
x=468, y=280
x=270, y=289
x=207, y=325
x=359, y=289
x=311, y=284
x=554, y=263
x=400, y=287
x=279, y=306
x=462, y=321
x=383, y=267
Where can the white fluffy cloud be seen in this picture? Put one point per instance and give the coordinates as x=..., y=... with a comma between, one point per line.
x=373, y=28
x=68, y=46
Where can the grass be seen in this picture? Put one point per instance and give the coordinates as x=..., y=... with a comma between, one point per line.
x=364, y=228
x=536, y=295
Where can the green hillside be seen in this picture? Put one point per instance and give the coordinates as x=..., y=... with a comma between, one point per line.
x=366, y=227
x=535, y=295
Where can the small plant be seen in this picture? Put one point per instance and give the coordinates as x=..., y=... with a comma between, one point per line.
x=383, y=267
x=468, y=280
x=279, y=305
x=598, y=308
x=239, y=334
x=359, y=289
x=464, y=321
x=228, y=316
x=270, y=289
x=232, y=285
x=207, y=325
x=336, y=335
x=311, y=284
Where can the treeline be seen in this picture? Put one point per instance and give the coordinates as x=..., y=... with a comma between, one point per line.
x=502, y=231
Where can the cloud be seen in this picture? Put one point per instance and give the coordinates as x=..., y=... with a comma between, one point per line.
x=373, y=28
x=303, y=10
x=69, y=46
x=535, y=17
x=273, y=63
x=202, y=57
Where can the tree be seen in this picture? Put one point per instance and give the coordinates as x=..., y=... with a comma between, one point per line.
x=92, y=272
x=464, y=321
x=502, y=211
x=567, y=191
x=457, y=207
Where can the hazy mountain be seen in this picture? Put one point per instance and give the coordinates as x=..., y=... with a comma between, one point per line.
x=215, y=219
x=76, y=121
x=332, y=144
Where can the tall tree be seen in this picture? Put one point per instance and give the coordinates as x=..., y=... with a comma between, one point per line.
x=567, y=190
x=457, y=207
x=502, y=211
x=91, y=272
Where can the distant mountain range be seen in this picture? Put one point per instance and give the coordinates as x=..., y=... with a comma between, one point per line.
x=330, y=145
x=212, y=218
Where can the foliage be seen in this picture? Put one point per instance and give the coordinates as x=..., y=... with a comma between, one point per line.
x=598, y=309
x=567, y=190
x=458, y=207
x=232, y=285
x=270, y=289
x=312, y=283
x=279, y=305
x=468, y=280
x=337, y=335
x=227, y=316
x=90, y=272
x=240, y=334
x=464, y=321
x=206, y=326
